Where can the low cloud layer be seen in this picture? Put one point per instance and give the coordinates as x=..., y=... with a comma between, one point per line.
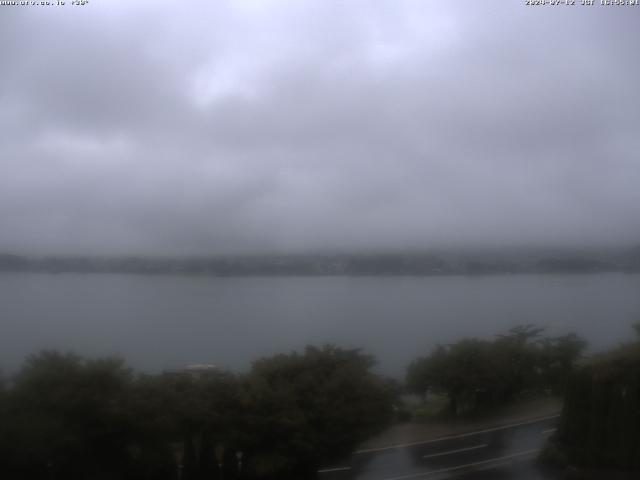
x=266, y=126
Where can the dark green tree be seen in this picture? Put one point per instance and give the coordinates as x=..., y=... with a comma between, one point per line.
x=477, y=374
x=600, y=422
x=314, y=407
x=559, y=356
x=66, y=417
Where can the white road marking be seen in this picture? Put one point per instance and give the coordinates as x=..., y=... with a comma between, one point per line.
x=549, y=430
x=451, y=452
x=500, y=462
x=452, y=437
x=335, y=469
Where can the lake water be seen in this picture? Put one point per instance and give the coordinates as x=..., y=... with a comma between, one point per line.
x=159, y=322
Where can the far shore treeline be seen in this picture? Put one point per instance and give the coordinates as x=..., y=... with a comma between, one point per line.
x=481, y=262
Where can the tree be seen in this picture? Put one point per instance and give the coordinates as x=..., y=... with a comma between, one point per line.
x=465, y=371
x=312, y=407
x=600, y=421
x=518, y=358
x=559, y=358
x=477, y=374
x=191, y=413
x=66, y=417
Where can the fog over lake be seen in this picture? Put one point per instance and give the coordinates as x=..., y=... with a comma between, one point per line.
x=285, y=129
x=217, y=182
x=164, y=322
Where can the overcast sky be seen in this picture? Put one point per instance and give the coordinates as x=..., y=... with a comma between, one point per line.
x=209, y=127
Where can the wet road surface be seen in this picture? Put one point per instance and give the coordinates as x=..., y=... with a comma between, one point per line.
x=506, y=452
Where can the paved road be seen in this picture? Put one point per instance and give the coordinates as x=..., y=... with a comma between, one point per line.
x=496, y=453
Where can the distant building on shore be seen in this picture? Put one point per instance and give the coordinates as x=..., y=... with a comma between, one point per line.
x=195, y=370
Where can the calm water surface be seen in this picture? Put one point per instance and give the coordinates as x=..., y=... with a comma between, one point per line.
x=159, y=322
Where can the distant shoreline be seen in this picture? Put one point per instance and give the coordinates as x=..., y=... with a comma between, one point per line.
x=392, y=265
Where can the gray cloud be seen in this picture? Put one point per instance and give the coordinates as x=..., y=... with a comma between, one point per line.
x=286, y=126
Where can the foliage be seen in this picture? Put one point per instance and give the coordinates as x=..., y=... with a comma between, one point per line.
x=65, y=417
x=316, y=406
x=476, y=374
x=600, y=423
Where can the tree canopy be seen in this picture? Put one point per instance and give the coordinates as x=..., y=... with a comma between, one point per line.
x=600, y=422
x=66, y=417
x=477, y=373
